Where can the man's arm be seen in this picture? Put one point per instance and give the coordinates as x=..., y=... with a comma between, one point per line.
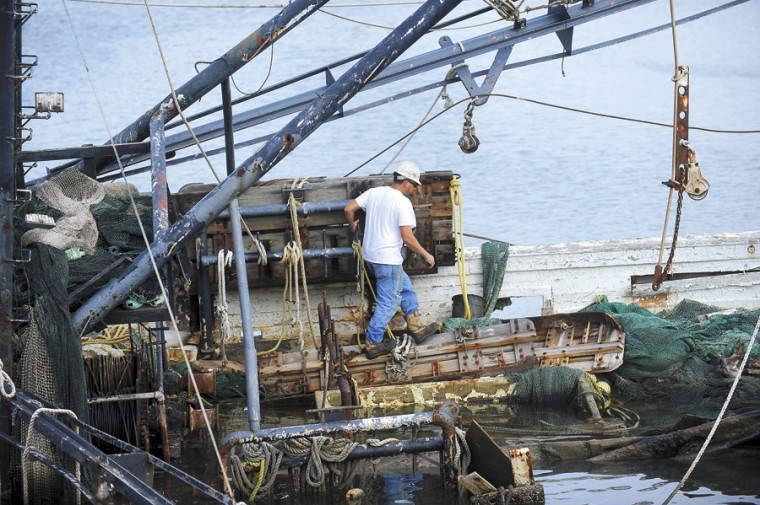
x=350, y=211
x=407, y=235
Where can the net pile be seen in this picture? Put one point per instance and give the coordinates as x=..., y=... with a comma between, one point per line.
x=683, y=356
x=94, y=224
x=71, y=193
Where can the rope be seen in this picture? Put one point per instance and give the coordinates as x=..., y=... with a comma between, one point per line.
x=112, y=335
x=324, y=10
x=447, y=103
x=456, y=202
x=6, y=379
x=292, y=206
x=397, y=368
x=28, y=447
x=673, y=169
x=266, y=458
x=720, y=416
x=152, y=258
x=319, y=449
x=462, y=455
x=239, y=6
x=222, y=311
x=544, y=104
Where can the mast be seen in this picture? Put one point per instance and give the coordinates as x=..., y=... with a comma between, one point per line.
x=8, y=115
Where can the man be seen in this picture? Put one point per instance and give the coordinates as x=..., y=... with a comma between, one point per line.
x=388, y=225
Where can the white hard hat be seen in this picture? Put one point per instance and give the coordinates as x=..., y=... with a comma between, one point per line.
x=409, y=170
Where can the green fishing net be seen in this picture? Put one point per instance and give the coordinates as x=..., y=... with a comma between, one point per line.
x=494, y=263
x=683, y=356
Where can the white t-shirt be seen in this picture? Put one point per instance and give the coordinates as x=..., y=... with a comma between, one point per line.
x=387, y=209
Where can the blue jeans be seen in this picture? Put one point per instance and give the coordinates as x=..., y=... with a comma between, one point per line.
x=394, y=290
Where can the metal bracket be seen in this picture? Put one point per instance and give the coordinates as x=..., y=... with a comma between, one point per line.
x=682, y=125
x=489, y=81
x=25, y=256
x=24, y=15
x=329, y=79
x=21, y=139
x=25, y=69
x=565, y=36
x=298, y=193
x=22, y=196
x=19, y=315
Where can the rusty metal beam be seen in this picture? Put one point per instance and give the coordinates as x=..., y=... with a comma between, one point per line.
x=252, y=169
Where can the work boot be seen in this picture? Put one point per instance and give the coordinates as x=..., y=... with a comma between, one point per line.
x=417, y=328
x=377, y=350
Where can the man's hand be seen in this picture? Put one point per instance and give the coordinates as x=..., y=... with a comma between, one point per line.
x=429, y=259
x=350, y=210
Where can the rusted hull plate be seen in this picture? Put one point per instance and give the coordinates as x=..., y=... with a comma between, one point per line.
x=593, y=342
x=484, y=390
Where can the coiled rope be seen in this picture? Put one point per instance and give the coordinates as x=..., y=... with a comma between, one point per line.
x=320, y=450
x=264, y=456
x=112, y=335
x=325, y=456
x=456, y=202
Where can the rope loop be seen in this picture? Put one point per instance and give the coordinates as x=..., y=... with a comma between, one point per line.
x=29, y=446
x=6, y=379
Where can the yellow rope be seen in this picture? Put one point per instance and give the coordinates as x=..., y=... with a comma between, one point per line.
x=357, y=246
x=112, y=335
x=456, y=203
x=259, y=478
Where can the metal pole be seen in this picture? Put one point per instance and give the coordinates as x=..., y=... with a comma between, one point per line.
x=204, y=292
x=252, y=169
x=272, y=256
x=102, y=467
x=448, y=409
x=246, y=318
x=281, y=209
x=160, y=225
x=431, y=444
x=7, y=195
x=219, y=70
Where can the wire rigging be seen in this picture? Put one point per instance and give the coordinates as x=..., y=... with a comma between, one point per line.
x=145, y=237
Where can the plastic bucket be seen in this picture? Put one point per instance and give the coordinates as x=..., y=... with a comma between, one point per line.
x=477, y=306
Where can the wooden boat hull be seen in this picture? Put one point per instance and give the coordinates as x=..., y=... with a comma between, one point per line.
x=590, y=341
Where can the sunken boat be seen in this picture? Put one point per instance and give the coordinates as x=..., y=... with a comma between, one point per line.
x=126, y=315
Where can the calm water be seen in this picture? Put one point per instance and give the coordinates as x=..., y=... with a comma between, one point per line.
x=541, y=175
x=727, y=477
